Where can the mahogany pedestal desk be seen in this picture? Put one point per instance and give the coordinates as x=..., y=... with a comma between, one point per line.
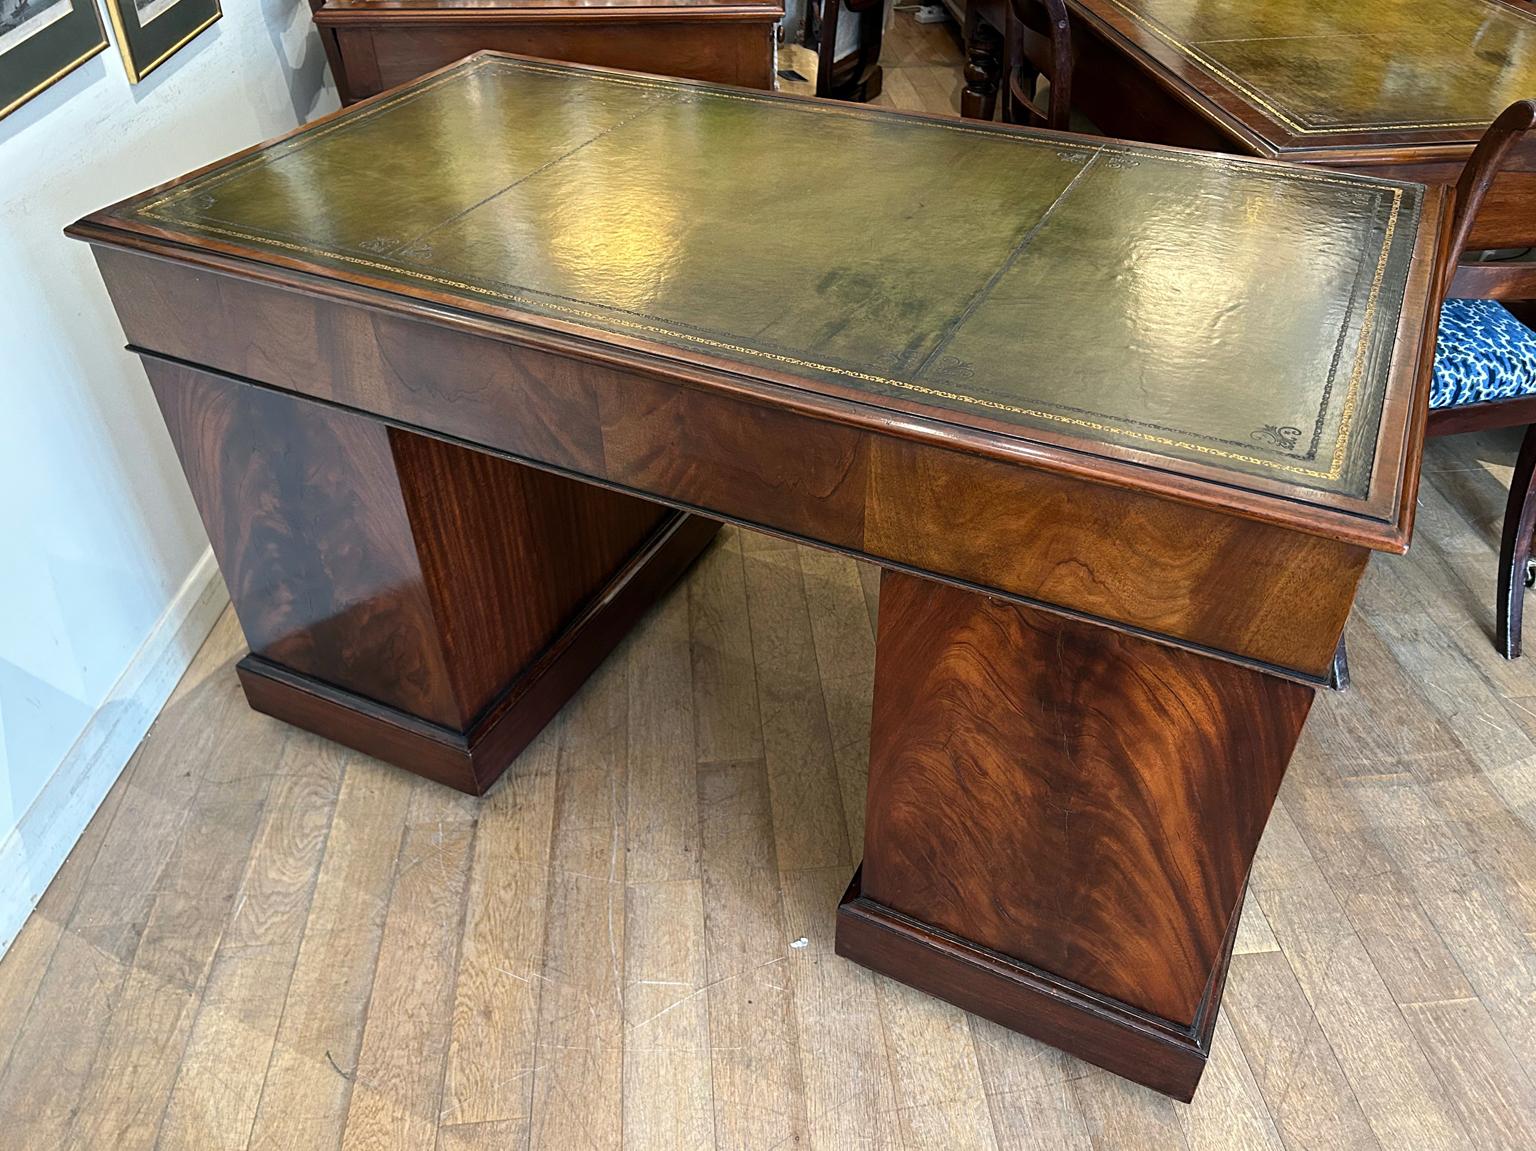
x=1395, y=88
x=376, y=44
x=464, y=376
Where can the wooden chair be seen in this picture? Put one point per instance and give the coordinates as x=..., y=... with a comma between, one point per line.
x=1036, y=40
x=1042, y=25
x=857, y=76
x=1485, y=370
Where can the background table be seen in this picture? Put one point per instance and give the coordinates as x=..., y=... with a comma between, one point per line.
x=1123, y=427
x=376, y=44
x=1396, y=88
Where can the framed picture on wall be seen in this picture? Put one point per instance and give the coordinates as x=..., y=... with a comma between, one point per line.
x=41, y=41
x=150, y=32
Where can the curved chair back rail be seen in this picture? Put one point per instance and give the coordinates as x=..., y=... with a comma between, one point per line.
x=1485, y=370
x=856, y=76
x=1047, y=18
x=1477, y=177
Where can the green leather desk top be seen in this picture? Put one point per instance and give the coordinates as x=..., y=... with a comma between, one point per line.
x=1334, y=67
x=1203, y=315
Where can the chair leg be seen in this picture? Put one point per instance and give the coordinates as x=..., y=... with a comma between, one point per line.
x=1515, y=550
x=983, y=65
x=826, y=48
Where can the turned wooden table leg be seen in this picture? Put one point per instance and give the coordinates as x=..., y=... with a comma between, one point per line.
x=1061, y=819
x=424, y=603
x=983, y=71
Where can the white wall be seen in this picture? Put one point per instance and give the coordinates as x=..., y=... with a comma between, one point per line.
x=106, y=585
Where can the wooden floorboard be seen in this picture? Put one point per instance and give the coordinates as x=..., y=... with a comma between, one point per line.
x=266, y=941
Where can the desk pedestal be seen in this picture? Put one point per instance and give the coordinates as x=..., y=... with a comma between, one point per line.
x=1061, y=819
x=1061, y=815
x=426, y=604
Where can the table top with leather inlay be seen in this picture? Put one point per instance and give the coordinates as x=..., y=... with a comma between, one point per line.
x=1310, y=73
x=1150, y=310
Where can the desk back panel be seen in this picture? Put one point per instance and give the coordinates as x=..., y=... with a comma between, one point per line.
x=311, y=530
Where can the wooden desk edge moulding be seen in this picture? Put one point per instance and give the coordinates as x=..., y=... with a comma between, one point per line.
x=373, y=462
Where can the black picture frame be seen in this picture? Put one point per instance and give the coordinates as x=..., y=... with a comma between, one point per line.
x=45, y=44
x=150, y=32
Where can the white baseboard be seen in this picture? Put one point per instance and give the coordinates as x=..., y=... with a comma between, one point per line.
x=39, y=844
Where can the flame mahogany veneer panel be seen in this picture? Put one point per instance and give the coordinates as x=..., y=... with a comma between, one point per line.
x=1221, y=582
x=509, y=552
x=1082, y=800
x=408, y=579
x=304, y=510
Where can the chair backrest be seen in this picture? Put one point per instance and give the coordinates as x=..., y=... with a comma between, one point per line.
x=1477, y=177
x=851, y=80
x=1046, y=18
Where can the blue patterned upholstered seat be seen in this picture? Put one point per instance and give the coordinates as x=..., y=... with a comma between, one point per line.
x=1481, y=353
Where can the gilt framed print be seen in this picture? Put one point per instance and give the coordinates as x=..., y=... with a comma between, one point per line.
x=150, y=32
x=42, y=41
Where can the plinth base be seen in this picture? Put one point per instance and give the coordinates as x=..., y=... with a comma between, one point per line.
x=473, y=760
x=1143, y=1048
x=1061, y=820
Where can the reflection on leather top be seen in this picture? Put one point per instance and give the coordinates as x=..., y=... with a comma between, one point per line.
x=1193, y=307
x=1325, y=66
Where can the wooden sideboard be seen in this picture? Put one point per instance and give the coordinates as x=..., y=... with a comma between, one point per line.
x=462, y=378
x=376, y=44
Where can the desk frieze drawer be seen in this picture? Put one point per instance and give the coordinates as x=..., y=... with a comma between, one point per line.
x=1170, y=569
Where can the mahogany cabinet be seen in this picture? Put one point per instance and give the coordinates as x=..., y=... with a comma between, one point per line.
x=376, y=44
